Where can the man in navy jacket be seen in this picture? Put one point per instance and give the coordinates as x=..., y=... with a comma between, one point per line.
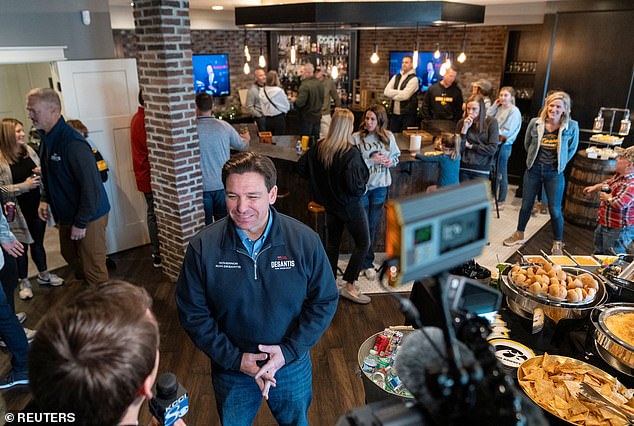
x=255, y=294
x=72, y=187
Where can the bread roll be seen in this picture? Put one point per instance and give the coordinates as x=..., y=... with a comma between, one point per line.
x=557, y=291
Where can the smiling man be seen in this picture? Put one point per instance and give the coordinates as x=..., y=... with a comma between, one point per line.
x=255, y=293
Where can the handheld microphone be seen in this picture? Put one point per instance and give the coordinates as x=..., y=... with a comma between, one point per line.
x=170, y=401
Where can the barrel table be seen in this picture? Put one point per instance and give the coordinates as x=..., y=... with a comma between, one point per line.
x=579, y=208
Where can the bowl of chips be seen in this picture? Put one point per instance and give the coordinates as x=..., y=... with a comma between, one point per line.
x=614, y=335
x=560, y=292
x=553, y=382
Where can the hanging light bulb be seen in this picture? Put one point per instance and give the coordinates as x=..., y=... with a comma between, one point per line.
x=334, y=72
x=463, y=56
x=375, y=55
x=246, y=68
x=437, y=52
x=415, y=55
x=445, y=65
x=374, y=58
x=293, y=50
x=262, y=59
x=247, y=55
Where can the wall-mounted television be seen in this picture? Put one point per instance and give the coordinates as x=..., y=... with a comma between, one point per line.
x=426, y=62
x=211, y=74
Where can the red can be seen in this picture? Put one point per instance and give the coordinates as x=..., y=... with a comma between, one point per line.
x=9, y=211
x=380, y=344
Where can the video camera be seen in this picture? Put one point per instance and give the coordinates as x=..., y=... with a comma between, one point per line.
x=426, y=236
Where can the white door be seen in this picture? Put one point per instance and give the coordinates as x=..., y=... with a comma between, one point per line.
x=103, y=95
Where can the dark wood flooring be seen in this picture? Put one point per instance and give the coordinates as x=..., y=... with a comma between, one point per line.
x=337, y=386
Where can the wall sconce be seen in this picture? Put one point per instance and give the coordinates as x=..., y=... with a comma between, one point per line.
x=374, y=58
x=85, y=17
x=463, y=56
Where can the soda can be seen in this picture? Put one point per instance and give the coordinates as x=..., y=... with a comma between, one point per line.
x=380, y=344
x=9, y=211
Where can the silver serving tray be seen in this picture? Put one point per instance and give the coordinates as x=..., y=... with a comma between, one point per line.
x=616, y=352
x=524, y=303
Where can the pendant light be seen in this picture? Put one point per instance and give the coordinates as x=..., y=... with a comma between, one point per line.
x=293, y=47
x=463, y=56
x=437, y=51
x=374, y=58
x=445, y=65
x=261, y=59
x=334, y=72
x=247, y=56
x=415, y=55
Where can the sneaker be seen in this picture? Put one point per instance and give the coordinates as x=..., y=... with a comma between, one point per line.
x=47, y=278
x=156, y=260
x=516, y=239
x=370, y=273
x=26, y=290
x=543, y=209
x=361, y=299
x=500, y=206
x=558, y=248
x=21, y=316
x=14, y=379
x=30, y=335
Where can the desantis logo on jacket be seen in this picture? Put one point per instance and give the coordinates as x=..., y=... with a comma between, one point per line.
x=282, y=262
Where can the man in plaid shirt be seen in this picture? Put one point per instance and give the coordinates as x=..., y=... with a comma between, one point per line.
x=614, y=233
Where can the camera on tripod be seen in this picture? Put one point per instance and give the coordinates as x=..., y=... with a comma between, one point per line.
x=452, y=381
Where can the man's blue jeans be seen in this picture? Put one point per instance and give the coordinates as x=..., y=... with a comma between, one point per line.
x=215, y=205
x=553, y=183
x=238, y=397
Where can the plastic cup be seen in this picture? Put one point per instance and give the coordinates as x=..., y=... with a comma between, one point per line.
x=414, y=142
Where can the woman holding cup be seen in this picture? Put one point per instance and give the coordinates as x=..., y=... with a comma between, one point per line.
x=380, y=153
x=20, y=181
x=479, y=140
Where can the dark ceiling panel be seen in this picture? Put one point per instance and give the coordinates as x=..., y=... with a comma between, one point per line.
x=360, y=14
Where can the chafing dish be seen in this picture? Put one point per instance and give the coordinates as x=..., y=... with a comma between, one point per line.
x=614, y=350
x=618, y=279
x=524, y=303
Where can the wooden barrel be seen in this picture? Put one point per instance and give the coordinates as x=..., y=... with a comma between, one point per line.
x=578, y=208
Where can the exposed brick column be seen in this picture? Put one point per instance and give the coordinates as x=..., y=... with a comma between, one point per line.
x=164, y=65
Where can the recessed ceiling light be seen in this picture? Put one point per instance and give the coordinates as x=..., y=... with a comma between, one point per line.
x=217, y=7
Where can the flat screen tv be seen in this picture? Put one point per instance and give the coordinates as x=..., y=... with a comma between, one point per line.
x=426, y=63
x=211, y=74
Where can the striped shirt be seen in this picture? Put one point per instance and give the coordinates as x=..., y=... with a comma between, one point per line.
x=619, y=212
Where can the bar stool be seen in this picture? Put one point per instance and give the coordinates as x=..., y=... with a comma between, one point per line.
x=319, y=215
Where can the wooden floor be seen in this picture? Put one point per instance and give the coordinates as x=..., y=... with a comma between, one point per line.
x=337, y=387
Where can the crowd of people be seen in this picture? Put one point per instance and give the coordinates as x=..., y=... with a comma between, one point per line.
x=257, y=288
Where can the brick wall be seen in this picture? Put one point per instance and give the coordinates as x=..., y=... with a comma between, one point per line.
x=211, y=41
x=163, y=51
x=486, y=50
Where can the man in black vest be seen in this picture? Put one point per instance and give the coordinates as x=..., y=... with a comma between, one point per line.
x=403, y=90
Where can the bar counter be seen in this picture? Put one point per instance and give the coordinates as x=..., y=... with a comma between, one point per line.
x=409, y=177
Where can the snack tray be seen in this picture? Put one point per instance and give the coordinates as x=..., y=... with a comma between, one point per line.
x=538, y=359
x=606, y=139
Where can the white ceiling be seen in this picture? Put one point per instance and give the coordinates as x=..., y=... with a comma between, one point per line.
x=498, y=12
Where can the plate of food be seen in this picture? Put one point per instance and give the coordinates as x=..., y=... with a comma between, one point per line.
x=553, y=382
x=606, y=139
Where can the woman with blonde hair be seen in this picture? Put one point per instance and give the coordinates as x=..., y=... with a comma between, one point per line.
x=338, y=177
x=551, y=141
x=20, y=184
